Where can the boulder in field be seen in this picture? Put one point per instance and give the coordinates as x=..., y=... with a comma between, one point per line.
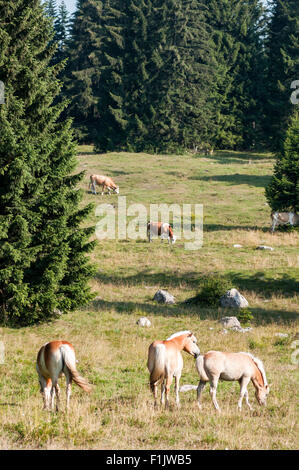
x=162, y=296
x=233, y=299
x=143, y=321
x=265, y=247
x=230, y=322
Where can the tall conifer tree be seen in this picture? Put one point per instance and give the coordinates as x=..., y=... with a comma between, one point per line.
x=283, y=191
x=43, y=263
x=283, y=67
x=155, y=75
x=237, y=27
x=82, y=73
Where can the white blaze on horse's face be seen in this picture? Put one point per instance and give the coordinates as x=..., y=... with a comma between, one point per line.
x=261, y=394
x=191, y=346
x=117, y=190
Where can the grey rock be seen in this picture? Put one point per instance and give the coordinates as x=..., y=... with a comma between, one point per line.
x=233, y=299
x=162, y=296
x=187, y=388
x=143, y=321
x=230, y=322
x=265, y=247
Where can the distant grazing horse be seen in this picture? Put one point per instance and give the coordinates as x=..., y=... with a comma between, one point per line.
x=241, y=366
x=103, y=181
x=161, y=229
x=165, y=362
x=53, y=359
x=283, y=218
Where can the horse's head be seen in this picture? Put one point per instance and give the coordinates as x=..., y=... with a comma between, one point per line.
x=173, y=239
x=116, y=190
x=261, y=394
x=190, y=345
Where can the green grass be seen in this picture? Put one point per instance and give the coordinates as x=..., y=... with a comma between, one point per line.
x=112, y=349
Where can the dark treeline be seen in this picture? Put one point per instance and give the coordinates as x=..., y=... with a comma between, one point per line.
x=166, y=75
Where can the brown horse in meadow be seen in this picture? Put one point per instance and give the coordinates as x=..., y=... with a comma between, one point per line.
x=53, y=359
x=165, y=362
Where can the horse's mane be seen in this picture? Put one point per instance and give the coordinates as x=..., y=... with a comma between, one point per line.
x=180, y=333
x=259, y=365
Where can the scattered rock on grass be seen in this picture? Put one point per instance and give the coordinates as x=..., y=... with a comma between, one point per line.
x=230, y=322
x=143, y=321
x=265, y=247
x=233, y=299
x=162, y=296
x=233, y=324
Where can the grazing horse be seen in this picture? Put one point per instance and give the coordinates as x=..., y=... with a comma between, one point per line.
x=53, y=359
x=241, y=366
x=103, y=181
x=165, y=362
x=161, y=229
x=283, y=218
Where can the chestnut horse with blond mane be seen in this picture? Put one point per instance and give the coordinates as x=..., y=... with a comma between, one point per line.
x=165, y=362
x=53, y=359
x=241, y=366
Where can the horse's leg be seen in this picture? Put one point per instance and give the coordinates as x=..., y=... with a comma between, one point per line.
x=168, y=384
x=163, y=393
x=201, y=386
x=213, y=389
x=44, y=390
x=243, y=391
x=93, y=188
x=52, y=396
x=247, y=400
x=176, y=388
x=103, y=189
x=57, y=392
x=154, y=389
x=275, y=221
x=68, y=392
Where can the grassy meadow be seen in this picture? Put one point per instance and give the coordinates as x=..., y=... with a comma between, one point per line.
x=112, y=350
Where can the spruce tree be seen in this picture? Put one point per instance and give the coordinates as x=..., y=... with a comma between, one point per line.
x=43, y=262
x=283, y=191
x=155, y=76
x=82, y=73
x=237, y=28
x=61, y=26
x=283, y=68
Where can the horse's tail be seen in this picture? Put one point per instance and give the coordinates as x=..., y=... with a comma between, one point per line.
x=156, y=363
x=200, y=368
x=69, y=359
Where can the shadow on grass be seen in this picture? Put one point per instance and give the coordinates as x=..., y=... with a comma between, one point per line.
x=224, y=228
x=86, y=153
x=267, y=286
x=261, y=316
x=233, y=157
x=259, y=282
x=260, y=181
x=146, y=277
